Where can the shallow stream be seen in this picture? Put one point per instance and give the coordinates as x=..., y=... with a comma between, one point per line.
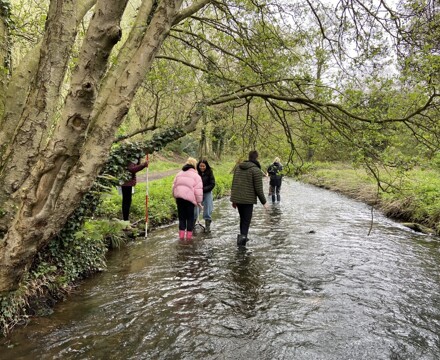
x=311, y=284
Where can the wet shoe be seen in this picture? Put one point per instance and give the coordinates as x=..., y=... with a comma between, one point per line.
x=241, y=240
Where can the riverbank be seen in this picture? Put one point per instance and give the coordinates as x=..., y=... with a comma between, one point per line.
x=412, y=198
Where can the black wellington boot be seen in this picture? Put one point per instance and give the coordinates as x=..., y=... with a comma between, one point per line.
x=208, y=226
x=273, y=198
x=241, y=240
x=278, y=197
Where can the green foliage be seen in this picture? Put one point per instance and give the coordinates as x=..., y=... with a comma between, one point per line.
x=28, y=20
x=120, y=156
x=75, y=256
x=223, y=179
x=161, y=204
x=110, y=232
x=419, y=196
x=12, y=310
x=5, y=9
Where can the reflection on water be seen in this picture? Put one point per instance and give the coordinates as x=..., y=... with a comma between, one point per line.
x=310, y=285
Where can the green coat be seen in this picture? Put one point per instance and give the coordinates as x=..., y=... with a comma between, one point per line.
x=247, y=184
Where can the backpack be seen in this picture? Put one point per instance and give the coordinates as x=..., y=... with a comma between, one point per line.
x=274, y=169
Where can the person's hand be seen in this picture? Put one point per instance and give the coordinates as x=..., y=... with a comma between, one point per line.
x=234, y=205
x=200, y=205
x=266, y=205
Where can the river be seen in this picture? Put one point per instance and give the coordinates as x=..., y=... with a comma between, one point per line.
x=311, y=284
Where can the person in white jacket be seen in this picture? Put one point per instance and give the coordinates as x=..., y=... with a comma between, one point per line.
x=188, y=192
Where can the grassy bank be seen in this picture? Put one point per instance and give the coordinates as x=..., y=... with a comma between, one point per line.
x=412, y=198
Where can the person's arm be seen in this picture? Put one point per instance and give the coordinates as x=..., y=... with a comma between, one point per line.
x=258, y=185
x=134, y=168
x=198, y=191
x=211, y=184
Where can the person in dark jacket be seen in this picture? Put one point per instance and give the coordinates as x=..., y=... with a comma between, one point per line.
x=276, y=178
x=127, y=187
x=247, y=186
x=207, y=175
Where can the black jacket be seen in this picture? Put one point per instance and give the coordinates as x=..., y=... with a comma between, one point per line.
x=208, y=181
x=274, y=171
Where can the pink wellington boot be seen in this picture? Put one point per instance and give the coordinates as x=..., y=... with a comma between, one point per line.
x=189, y=235
x=181, y=234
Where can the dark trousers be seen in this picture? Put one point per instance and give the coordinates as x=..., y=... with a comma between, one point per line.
x=127, y=193
x=245, y=211
x=275, y=186
x=185, y=212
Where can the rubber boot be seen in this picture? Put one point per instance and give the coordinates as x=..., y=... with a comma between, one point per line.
x=278, y=197
x=241, y=240
x=273, y=198
x=181, y=234
x=189, y=235
x=208, y=226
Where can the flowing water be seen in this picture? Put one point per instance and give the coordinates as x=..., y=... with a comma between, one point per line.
x=311, y=284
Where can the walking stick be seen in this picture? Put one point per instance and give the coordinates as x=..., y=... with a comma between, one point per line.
x=146, y=201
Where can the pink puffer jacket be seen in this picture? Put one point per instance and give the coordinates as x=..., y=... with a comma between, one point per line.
x=188, y=185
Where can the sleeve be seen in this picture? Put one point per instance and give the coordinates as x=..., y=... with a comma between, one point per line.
x=211, y=184
x=134, y=168
x=258, y=185
x=198, y=189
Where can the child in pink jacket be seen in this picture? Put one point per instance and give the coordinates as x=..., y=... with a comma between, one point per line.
x=188, y=192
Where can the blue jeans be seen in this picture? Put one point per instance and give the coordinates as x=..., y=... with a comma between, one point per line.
x=208, y=205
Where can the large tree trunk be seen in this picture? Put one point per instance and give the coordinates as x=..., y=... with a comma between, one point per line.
x=44, y=178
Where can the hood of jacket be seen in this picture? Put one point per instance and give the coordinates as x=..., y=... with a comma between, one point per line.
x=186, y=167
x=248, y=164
